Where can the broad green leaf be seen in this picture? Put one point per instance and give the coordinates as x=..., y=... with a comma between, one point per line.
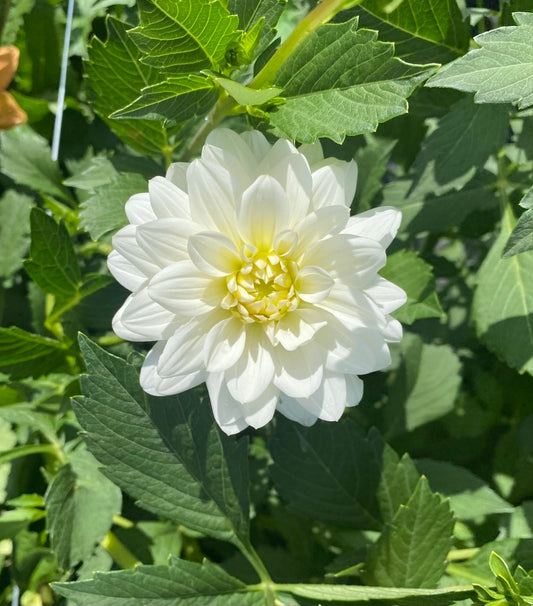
x=176, y=463
x=184, y=36
x=23, y=353
x=176, y=100
x=470, y=497
x=116, y=76
x=15, y=520
x=503, y=302
x=501, y=71
x=165, y=540
x=341, y=81
x=25, y=414
x=424, y=211
x=251, y=12
x=329, y=471
x=462, y=142
x=52, y=264
x=356, y=594
x=245, y=95
x=412, y=549
x=521, y=238
x=422, y=30
x=425, y=387
x=93, y=172
x=407, y=270
x=25, y=157
x=181, y=583
x=14, y=231
x=14, y=20
x=80, y=505
x=104, y=211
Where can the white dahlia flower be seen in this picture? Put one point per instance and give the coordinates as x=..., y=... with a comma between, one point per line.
x=248, y=271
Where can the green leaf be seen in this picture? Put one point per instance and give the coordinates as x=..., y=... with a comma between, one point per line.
x=462, y=142
x=80, y=505
x=412, y=549
x=14, y=231
x=52, y=264
x=422, y=30
x=341, y=81
x=181, y=583
x=503, y=302
x=14, y=21
x=25, y=157
x=184, y=36
x=470, y=497
x=117, y=77
x=521, y=238
x=247, y=96
x=25, y=415
x=104, y=211
x=407, y=270
x=501, y=71
x=251, y=13
x=176, y=462
x=23, y=353
x=425, y=387
x=91, y=173
x=176, y=100
x=308, y=472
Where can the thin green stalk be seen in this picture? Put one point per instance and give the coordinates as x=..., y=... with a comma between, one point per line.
x=460, y=555
x=267, y=585
x=118, y=551
x=29, y=449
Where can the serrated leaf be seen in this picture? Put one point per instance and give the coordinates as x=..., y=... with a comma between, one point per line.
x=422, y=30
x=501, y=71
x=308, y=472
x=104, y=211
x=184, y=35
x=411, y=551
x=342, y=81
x=175, y=462
x=52, y=265
x=181, y=583
x=462, y=142
x=117, y=77
x=80, y=505
x=23, y=353
x=91, y=173
x=251, y=12
x=503, y=302
x=174, y=101
x=407, y=270
x=25, y=157
x=14, y=231
x=521, y=238
x=470, y=497
x=425, y=387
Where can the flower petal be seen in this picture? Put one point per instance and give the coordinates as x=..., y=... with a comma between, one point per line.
x=330, y=398
x=124, y=272
x=177, y=174
x=168, y=200
x=263, y=212
x=183, y=290
x=125, y=243
x=299, y=374
x=298, y=327
x=230, y=150
x=165, y=241
x=380, y=224
x=214, y=254
x=313, y=152
x=393, y=331
x=139, y=209
x=354, y=390
x=293, y=410
x=334, y=182
x=313, y=284
x=318, y=224
x=224, y=344
x=387, y=295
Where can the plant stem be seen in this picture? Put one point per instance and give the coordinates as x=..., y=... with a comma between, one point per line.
x=120, y=554
x=459, y=555
x=267, y=585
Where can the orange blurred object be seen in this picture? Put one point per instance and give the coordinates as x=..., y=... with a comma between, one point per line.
x=10, y=112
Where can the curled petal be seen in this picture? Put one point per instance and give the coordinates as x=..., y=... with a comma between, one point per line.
x=124, y=272
x=139, y=209
x=387, y=295
x=313, y=284
x=379, y=224
x=334, y=182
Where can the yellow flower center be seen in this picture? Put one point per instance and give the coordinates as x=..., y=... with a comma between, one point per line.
x=262, y=290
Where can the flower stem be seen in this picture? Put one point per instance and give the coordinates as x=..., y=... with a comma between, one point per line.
x=120, y=554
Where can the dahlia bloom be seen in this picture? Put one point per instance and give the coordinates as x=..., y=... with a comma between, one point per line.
x=248, y=271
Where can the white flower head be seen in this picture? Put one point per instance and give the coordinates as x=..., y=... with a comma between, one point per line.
x=248, y=271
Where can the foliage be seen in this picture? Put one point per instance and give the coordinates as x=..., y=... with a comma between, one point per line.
x=423, y=493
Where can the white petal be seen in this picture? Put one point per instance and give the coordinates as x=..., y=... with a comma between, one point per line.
x=156, y=385
x=258, y=144
x=299, y=373
x=313, y=152
x=125, y=272
x=214, y=254
x=252, y=374
x=313, y=284
x=331, y=397
x=125, y=243
x=298, y=327
x=230, y=150
x=293, y=410
x=139, y=210
x=224, y=345
x=211, y=197
x=143, y=317
x=165, y=240
x=334, y=183
x=182, y=289
x=263, y=212
x=386, y=294
x=168, y=200
x=260, y=412
x=354, y=390
x=393, y=331
x=319, y=224
x=380, y=224
x=177, y=174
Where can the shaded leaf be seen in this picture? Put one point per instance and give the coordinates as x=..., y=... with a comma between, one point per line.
x=14, y=231
x=521, y=238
